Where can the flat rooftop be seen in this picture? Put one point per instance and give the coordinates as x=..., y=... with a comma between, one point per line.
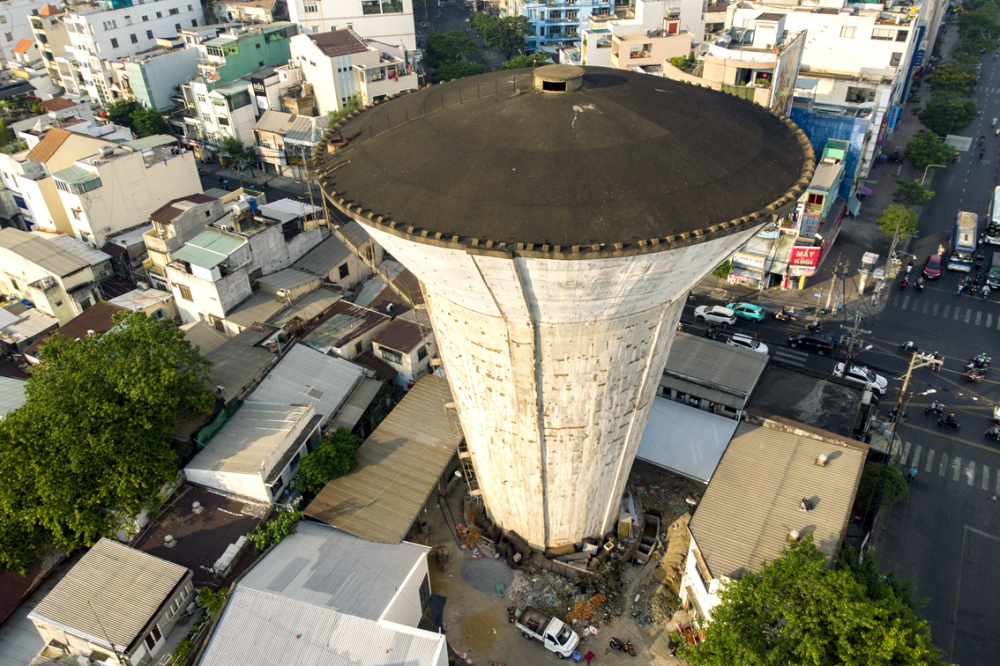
x=625, y=164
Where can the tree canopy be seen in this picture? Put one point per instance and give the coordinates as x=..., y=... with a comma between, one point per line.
x=335, y=456
x=522, y=61
x=142, y=121
x=896, y=219
x=953, y=77
x=446, y=53
x=948, y=114
x=506, y=33
x=911, y=193
x=798, y=611
x=89, y=449
x=926, y=148
x=273, y=531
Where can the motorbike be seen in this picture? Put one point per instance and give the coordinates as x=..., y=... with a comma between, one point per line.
x=935, y=409
x=904, y=284
x=785, y=315
x=981, y=362
x=622, y=646
x=814, y=327
x=951, y=424
x=974, y=375
x=919, y=286
x=993, y=433
x=908, y=346
x=982, y=153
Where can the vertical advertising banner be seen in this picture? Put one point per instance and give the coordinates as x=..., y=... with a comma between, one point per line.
x=786, y=70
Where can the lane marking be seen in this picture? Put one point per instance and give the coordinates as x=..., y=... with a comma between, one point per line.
x=986, y=477
x=906, y=302
x=968, y=314
x=930, y=460
x=947, y=308
x=944, y=464
x=979, y=317
x=989, y=319
x=926, y=305
x=906, y=453
x=942, y=435
x=916, y=305
x=937, y=306
x=956, y=468
x=970, y=472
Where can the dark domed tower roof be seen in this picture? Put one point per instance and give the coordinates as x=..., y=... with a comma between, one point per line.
x=564, y=161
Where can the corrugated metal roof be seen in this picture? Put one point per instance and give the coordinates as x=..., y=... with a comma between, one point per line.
x=685, y=439
x=92, y=256
x=305, y=375
x=12, y=394
x=239, y=360
x=131, y=237
x=357, y=404
x=33, y=323
x=7, y=318
x=286, y=210
x=343, y=323
x=140, y=299
x=204, y=336
x=40, y=252
x=331, y=253
x=288, y=278
x=313, y=305
x=400, y=335
x=261, y=628
x=716, y=372
x=111, y=593
x=150, y=142
x=257, y=309
x=75, y=175
x=209, y=249
x=336, y=43
x=251, y=437
x=398, y=466
x=753, y=499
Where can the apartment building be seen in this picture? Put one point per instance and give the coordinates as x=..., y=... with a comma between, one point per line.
x=15, y=24
x=52, y=38
x=388, y=21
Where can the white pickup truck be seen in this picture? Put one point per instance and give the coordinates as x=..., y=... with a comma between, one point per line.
x=554, y=634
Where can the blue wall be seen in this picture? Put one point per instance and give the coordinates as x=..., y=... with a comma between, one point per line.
x=820, y=127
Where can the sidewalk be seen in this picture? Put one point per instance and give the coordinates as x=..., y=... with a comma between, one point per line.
x=857, y=236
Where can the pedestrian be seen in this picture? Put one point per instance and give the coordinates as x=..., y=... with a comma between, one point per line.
x=221, y=180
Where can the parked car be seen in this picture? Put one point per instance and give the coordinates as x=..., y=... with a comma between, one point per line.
x=862, y=375
x=746, y=342
x=821, y=346
x=715, y=314
x=747, y=311
x=933, y=267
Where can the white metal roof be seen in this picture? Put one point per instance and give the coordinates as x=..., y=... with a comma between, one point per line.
x=75, y=247
x=685, y=439
x=111, y=593
x=32, y=324
x=357, y=404
x=288, y=278
x=286, y=210
x=127, y=238
x=7, y=318
x=12, y=394
x=204, y=336
x=252, y=436
x=305, y=375
x=140, y=299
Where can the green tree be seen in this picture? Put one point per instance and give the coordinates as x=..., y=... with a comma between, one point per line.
x=926, y=148
x=522, y=61
x=948, y=114
x=723, y=270
x=147, y=122
x=353, y=104
x=212, y=601
x=90, y=447
x=506, y=34
x=881, y=479
x=274, y=530
x=954, y=78
x=461, y=69
x=897, y=220
x=120, y=111
x=240, y=157
x=6, y=136
x=911, y=193
x=797, y=610
x=335, y=456
x=443, y=47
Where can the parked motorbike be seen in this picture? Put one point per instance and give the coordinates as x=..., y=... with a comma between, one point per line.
x=950, y=422
x=622, y=646
x=934, y=408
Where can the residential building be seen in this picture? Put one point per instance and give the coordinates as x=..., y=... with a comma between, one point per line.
x=559, y=22
x=128, y=252
x=251, y=11
x=28, y=64
x=284, y=142
x=97, y=320
x=342, y=65
x=340, y=264
x=275, y=294
x=242, y=361
x=280, y=88
x=154, y=76
x=777, y=481
x=57, y=281
x=333, y=588
x=399, y=468
x=15, y=25
x=174, y=224
x=20, y=325
x=256, y=453
x=101, y=36
x=52, y=38
x=219, y=102
x=118, y=187
x=388, y=21
x=77, y=118
x=153, y=303
x=346, y=330
x=403, y=346
x=116, y=605
x=643, y=49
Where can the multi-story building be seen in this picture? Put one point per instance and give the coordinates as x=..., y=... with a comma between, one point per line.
x=118, y=186
x=218, y=101
x=15, y=25
x=52, y=38
x=155, y=76
x=174, y=224
x=60, y=275
x=28, y=64
x=251, y=11
x=118, y=29
x=284, y=142
x=558, y=23
x=389, y=21
x=280, y=87
x=341, y=65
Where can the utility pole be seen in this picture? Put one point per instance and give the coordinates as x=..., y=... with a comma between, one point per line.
x=852, y=340
x=833, y=283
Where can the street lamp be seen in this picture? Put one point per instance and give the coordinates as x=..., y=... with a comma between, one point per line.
x=930, y=166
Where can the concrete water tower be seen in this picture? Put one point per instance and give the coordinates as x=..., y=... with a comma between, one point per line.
x=556, y=219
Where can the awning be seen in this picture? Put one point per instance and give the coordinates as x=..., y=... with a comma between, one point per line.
x=805, y=84
x=684, y=439
x=854, y=206
x=865, y=191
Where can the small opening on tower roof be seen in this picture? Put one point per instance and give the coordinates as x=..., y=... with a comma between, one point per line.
x=554, y=86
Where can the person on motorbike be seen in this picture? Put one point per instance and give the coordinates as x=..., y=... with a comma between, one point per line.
x=908, y=345
x=950, y=420
x=982, y=153
x=982, y=139
x=934, y=406
x=904, y=284
x=994, y=431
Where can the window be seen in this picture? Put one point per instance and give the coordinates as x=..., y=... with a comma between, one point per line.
x=884, y=34
x=391, y=356
x=153, y=637
x=3, y=19
x=895, y=59
x=344, y=271
x=149, y=34
x=177, y=27
x=816, y=199
x=309, y=7
x=190, y=8
x=114, y=43
x=174, y=11
x=128, y=20
x=422, y=353
x=848, y=31
x=194, y=23
x=145, y=18
x=901, y=35
x=9, y=37
x=358, y=348
x=159, y=14
x=185, y=292
x=135, y=40
x=258, y=44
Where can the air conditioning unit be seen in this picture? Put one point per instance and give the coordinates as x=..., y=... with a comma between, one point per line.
x=142, y=285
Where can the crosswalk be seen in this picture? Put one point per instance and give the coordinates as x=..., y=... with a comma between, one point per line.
x=969, y=472
x=958, y=311
x=793, y=356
